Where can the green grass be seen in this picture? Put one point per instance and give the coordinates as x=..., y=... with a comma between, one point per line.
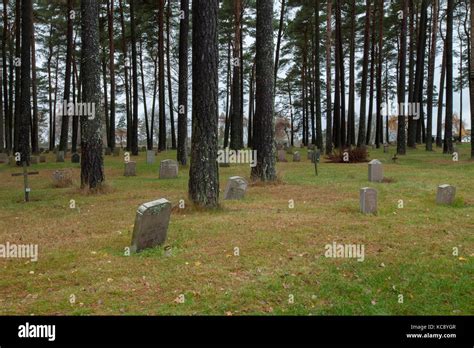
x=408, y=251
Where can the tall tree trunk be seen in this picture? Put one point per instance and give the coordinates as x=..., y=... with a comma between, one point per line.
x=411, y=72
x=92, y=162
x=431, y=71
x=317, y=80
x=351, y=109
x=280, y=35
x=134, y=79
x=292, y=136
x=17, y=64
x=56, y=82
x=67, y=79
x=252, y=106
x=204, y=171
x=228, y=92
x=329, y=142
x=149, y=142
x=6, y=105
x=11, y=81
x=25, y=104
x=342, y=78
x=379, y=120
x=145, y=107
x=263, y=120
x=236, y=119
x=110, y=16
x=401, y=131
x=448, y=123
x=34, y=87
x=161, y=77
x=183, y=84
x=363, y=89
x=372, y=76
x=126, y=85
x=439, y=123
x=104, y=82
x=168, y=63
x=76, y=84
x=471, y=78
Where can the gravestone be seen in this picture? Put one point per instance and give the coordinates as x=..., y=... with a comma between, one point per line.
x=289, y=150
x=296, y=157
x=130, y=168
x=279, y=146
x=375, y=171
x=60, y=156
x=282, y=156
x=446, y=194
x=368, y=200
x=108, y=151
x=3, y=158
x=385, y=148
x=236, y=188
x=150, y=157
x=311, y=146
x=373, y=146
x=116, y=151
x=34, y=160
x=42, y=159
x=62, y=178
x=168, y=169
x=76, y=158
x=310, y=154
x=151, y=224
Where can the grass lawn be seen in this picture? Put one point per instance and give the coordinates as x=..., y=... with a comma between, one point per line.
x=281, y=267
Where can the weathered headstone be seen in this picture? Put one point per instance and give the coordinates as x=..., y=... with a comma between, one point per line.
x=282, y=156
x=296, y=157
x=116, y=151
x=368, y=200
x=42, y=159
x=151, y=224
x=385, y=148
x=150, y=157
x=279, y=147
x=236, y=188
x=375, y=171
x=62, y=178
x=310, y=154
x=168, y=169
x=75, y=158
x=3, y=158
x=130, y=168
x=60, y=156
x=34, y=160
x=446, y=194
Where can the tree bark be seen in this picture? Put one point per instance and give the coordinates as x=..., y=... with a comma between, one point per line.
x=25, y=103
x=317, y=81
x=363, y=89
x=168, y=63
x=6, y=108
x=161, y=78
x=448, y=122
x=280, y=34
x=34, y=88
x=110, y=16
x=471, y=80
x=204, y=172
x=67, y=79
x=431, y=71
x=439, y=123
x=351, y=109
x=126, y=67
x=183, y=84
x=263, y=120
x=236, y=119
x=92, y=162
x=134, y=79
x=401, y=131
x=379, y=121
x=329, y=142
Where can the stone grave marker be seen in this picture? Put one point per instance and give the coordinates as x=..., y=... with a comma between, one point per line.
x=375, y=171
x=150, y=157
x=62, y=178
x=368, y=200
x=60, y=156
x=151, y=224
x=3, y=158
x=310, y=154
x=130, y=168
x=75, y=158
x=116, y=151
x=282, y=156
x=42, y=159
x=236, y=188
x=385, y=148
x=296, y=157
x=168, y=169
x=446, y=194
x=34, y=160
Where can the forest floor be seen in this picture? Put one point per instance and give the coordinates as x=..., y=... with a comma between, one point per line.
x=281, y=266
